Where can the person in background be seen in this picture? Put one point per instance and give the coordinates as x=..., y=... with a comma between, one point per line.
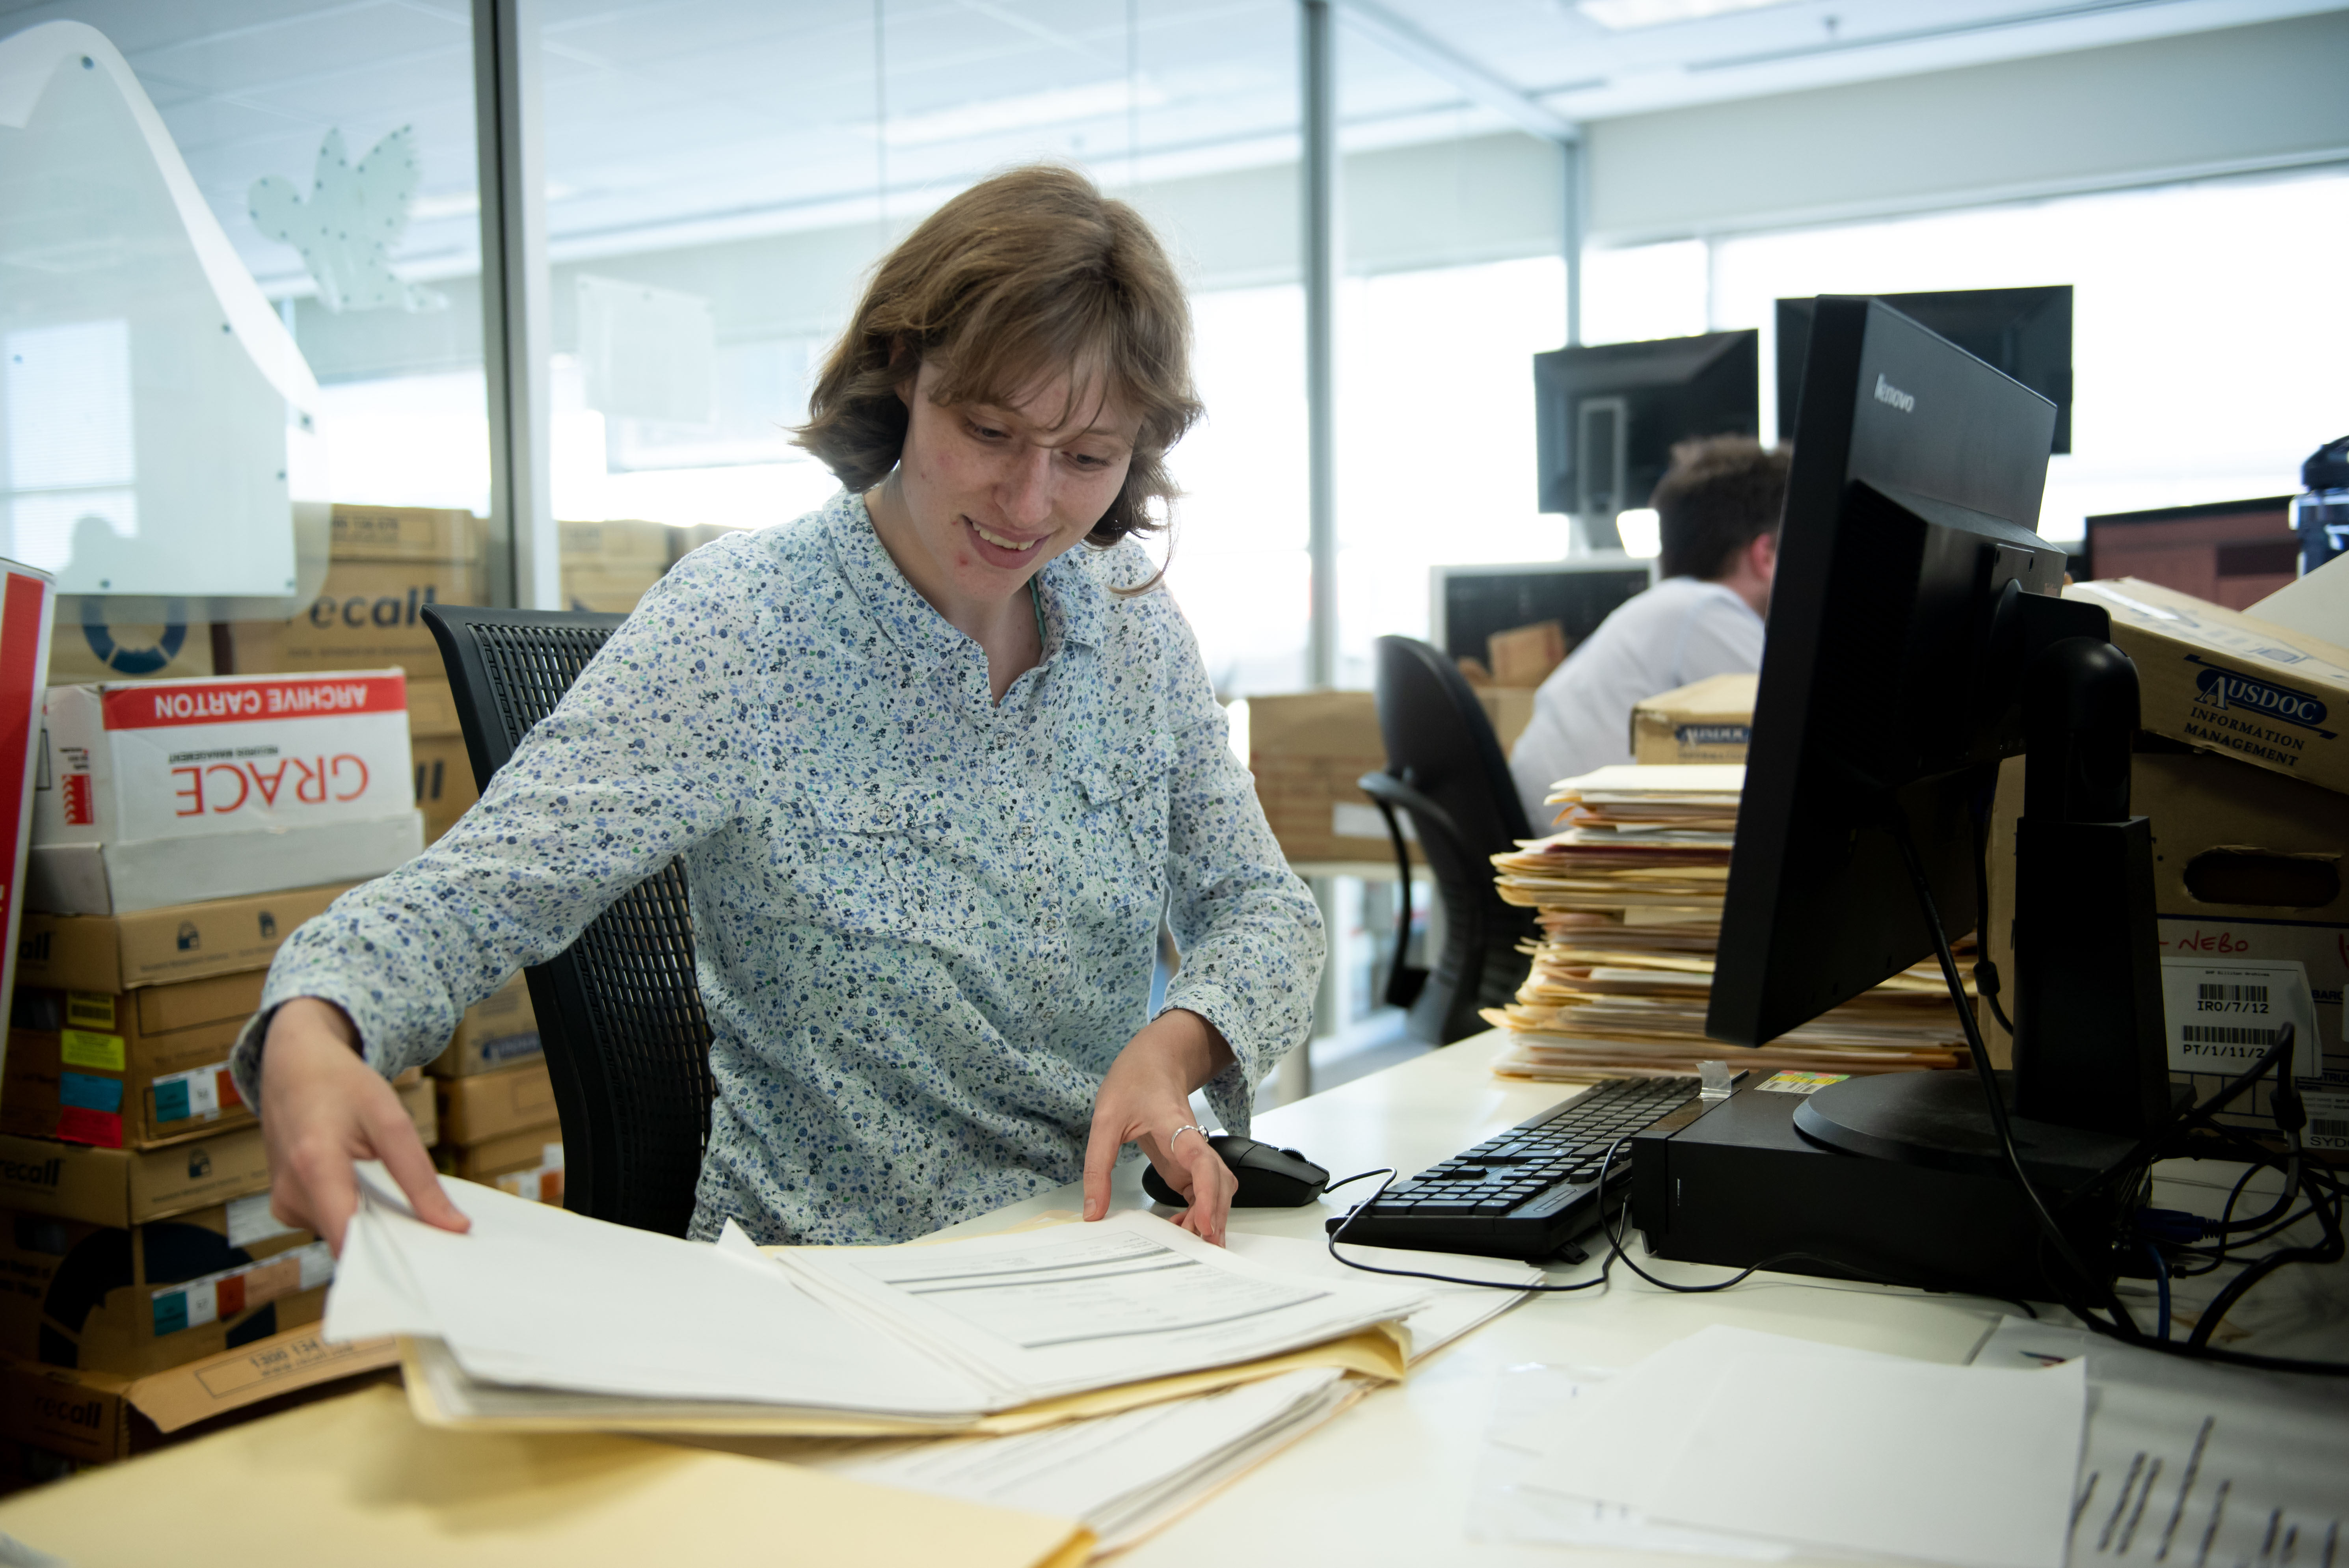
x=1718, y=509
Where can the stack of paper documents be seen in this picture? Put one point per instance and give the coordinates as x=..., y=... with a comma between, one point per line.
x=1123, y=1475
x=540, y=1318
x=1629, y=894
x=1738, y=1444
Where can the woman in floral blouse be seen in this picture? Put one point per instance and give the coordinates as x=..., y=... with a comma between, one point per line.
x=936, y=757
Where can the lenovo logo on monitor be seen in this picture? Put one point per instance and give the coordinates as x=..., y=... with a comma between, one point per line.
x=1887, y=393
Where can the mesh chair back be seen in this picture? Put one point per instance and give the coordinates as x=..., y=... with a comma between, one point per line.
x=1442, y=748
x=627, y=1042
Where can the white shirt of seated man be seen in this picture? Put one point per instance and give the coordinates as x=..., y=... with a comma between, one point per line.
x=1682, y=630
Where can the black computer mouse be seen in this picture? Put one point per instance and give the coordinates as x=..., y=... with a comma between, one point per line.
x=1270, y=1178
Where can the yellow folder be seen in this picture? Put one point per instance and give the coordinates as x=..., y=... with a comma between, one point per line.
x=356, y=1482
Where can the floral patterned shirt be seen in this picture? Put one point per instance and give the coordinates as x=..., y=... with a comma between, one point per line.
x=923, y=920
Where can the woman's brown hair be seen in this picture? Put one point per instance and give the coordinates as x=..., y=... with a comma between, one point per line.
x=1028, y=274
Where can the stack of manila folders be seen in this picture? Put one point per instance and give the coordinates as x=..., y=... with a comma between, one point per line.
x=1630, y=893
x=1110, y=1374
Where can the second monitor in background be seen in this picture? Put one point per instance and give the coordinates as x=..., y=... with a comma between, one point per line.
x=1607, y=416
x=1467, y=604
x=2022, y=334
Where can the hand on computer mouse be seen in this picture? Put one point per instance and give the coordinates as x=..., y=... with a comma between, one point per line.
x=1146, y=1098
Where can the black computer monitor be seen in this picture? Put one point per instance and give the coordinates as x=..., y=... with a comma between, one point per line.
x=1918, y=636
x=1466, y=604
x=1607, y=415
x=2026, y=333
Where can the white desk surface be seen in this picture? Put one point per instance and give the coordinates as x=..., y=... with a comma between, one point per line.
x=1389, y=1481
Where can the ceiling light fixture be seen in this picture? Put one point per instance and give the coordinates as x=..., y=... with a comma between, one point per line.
x=1624, y=15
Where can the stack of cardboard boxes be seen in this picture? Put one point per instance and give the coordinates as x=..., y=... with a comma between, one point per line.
x=135, y=1231
x=607, y=566
x=2245, y=779
x=1307, y=749
x=386, y=564
x=181, y=829
x=496, y=1102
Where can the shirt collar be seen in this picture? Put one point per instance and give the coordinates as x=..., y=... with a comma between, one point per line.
x=1071, y=594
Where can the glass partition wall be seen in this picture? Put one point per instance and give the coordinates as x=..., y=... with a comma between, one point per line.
x=720, y=179
x=244, y=402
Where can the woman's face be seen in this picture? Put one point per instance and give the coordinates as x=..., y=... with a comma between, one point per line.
x=992, y=493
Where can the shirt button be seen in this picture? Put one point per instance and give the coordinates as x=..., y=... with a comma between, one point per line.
x=1051, y=923
x=884, y=815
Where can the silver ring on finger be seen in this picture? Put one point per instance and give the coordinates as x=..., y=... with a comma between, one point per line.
x=1187, y=1127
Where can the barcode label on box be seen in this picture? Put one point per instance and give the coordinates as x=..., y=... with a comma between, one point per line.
x=2328, y=1120
x=250, y=1220
x=200, y=1092
x=2221, y=1015
x=194, y=1302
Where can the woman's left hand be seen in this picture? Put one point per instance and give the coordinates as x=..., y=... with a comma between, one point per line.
x=1144, y=1099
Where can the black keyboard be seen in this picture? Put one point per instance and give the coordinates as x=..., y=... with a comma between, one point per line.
x=1528, y=1191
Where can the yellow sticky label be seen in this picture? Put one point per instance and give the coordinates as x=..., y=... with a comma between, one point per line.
x=1799, y=1083
x=84, y=1048
x=90, y=1009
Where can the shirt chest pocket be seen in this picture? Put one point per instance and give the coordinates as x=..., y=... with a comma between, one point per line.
x=1124, y=797
x=870, y=860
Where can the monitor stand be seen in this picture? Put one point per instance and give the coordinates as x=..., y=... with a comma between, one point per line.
x=2090, y=1076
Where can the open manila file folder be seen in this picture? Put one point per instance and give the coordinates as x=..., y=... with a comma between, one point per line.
x=356, y=1482
x=539, y=1319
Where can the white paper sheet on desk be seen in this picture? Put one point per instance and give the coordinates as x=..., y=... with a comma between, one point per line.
x=2188, y=1465
x=1452, y=1310
x=1521, y=1494
x=1122, y=1475
x=1787, y=1440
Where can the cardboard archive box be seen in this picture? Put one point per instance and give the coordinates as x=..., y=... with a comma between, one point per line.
x=627, y=545
x=607, y=566
x=2221, y=679
x=73, y=1417
x=403, y=533
x=2253, y=918
x=86, y=645
x=1307, y=750
x=161, y=792
x=432, y=710
x=138, y=1298
x=486, y=1106
x=1706, y=721
x=123, y=1187
x=500, y=1030
x=527, y=1163
x=366, y=615
x=130, y=1069
x=444, y=782
x=158, y=946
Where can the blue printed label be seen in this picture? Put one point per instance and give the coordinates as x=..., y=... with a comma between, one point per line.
x=86, y=1091
x=171, y=1102
x=2228, y=690
x=170, y=1313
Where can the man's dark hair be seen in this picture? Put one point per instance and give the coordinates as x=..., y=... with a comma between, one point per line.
x=1721, y=493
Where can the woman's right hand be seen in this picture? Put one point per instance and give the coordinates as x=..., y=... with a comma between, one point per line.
x=323, y=1110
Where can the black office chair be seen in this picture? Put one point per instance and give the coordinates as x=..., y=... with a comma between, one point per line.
x=1444, y=768
x=627, y=1042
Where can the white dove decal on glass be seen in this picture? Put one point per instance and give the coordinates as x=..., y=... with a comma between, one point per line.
x=356, y=212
